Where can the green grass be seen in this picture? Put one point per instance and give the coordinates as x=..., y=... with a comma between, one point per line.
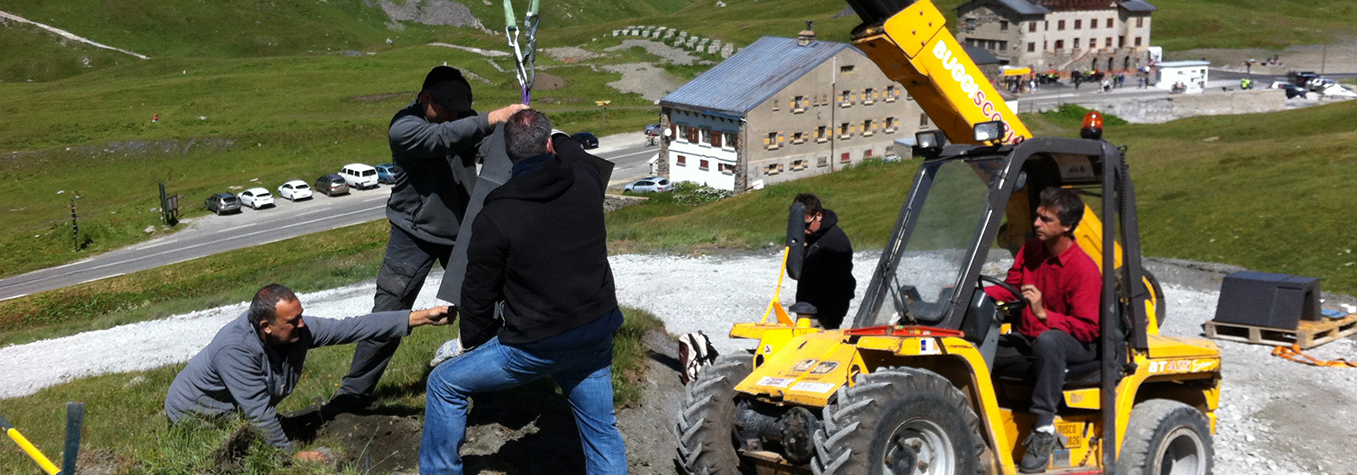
x=124, y=412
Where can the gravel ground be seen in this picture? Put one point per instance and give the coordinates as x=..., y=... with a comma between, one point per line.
x=1276, y=416
x=666, y=52
x=651, y=82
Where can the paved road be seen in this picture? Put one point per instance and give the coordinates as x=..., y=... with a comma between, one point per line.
x=208, y=235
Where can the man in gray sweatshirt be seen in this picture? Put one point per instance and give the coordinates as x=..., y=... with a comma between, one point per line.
x=256, y=360
x=436, y=142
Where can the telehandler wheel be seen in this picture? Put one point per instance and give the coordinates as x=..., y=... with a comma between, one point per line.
x=706, y=426
x=1165, y=437
x=900, y=421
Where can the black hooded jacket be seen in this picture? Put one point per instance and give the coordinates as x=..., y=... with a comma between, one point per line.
x=540, y=246
x=827, y=271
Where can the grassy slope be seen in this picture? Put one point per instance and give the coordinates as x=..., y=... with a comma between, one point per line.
x=128, y=417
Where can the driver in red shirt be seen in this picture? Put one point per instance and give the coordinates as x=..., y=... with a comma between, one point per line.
x=1059, y=325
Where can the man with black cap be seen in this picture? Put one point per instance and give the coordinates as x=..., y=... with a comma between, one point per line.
x=435, y=142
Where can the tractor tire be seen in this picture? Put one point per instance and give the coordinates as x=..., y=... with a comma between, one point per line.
x=900, y=421
x=1165, y=437
x=706, y=425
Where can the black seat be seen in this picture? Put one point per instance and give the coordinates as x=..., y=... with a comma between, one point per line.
x=1079, y=375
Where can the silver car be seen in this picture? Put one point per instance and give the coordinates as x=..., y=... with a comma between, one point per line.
x=651, y=184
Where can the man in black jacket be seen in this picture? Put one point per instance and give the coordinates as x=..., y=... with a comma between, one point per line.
x=539, y=247
x=827, y=271
x=435, y=141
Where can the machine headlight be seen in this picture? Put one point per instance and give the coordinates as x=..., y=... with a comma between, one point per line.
x=986, y=132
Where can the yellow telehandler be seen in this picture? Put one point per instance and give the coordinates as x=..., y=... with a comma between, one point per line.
x=908, y=388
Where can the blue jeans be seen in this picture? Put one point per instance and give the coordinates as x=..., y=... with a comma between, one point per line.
x=584, y=374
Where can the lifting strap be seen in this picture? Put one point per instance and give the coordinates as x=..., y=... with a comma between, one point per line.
x=1295, y=354
x=525, y=57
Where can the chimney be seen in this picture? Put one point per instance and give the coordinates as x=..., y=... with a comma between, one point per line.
x=808, y=35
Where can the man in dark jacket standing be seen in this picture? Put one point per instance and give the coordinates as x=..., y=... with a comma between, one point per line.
x=434, y=141
x=827, y=271
x=540, y=247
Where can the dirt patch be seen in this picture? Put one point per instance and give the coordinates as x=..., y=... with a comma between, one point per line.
x=547, y=82
x=98, y=461
x=649, y=81
x=432, y=12
x=1339, y=57
x=570, y=54
x=526, y=430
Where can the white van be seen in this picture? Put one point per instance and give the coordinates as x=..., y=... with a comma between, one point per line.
x=359, y=176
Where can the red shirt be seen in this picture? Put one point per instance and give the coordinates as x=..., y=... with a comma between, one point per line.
x=1070, y=285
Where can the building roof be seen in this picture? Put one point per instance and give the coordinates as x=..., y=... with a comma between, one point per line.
x=745, y=80
x=1042, y=7
x=1138, y=6
x=980, y=55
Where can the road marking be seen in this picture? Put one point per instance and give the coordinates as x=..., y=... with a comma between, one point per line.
x=2, y=299
x=653, y=152
x=134, y=259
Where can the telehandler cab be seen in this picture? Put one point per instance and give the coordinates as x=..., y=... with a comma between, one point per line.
x=908, y=389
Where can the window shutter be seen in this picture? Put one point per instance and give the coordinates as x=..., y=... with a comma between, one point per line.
x=692, y=134
x=715, y=139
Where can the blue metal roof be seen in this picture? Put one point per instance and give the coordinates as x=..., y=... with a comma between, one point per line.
x=1138, y=6
x=1024, y=7
x=745, y=80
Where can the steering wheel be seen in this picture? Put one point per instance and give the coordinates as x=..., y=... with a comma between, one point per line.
x=1011, y=307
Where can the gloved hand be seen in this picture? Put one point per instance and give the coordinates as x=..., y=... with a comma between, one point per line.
x=450, y=349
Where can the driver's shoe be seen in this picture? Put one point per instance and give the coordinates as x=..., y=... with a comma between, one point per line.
x=1038, y=456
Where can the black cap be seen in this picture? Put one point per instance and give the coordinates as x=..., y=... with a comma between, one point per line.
x=449, y=89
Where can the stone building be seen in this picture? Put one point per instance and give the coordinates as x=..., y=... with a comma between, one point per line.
x=783, y=109
x=1064, y=35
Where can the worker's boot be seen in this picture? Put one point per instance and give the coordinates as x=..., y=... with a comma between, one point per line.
x=343, y=404
x=1039, y=448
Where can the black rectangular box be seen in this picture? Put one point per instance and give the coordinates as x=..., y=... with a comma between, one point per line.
x=1268, y=300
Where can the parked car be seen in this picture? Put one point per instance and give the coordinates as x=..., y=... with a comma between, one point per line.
x=222, y=203
x=331, y=185
x=256, y=198
x=387, y=173
x=587, y=140
x=1292, y=90
x=651, y=184
x=359, y=176
x=653, y=130
x=1300, y=78
x=295, y=190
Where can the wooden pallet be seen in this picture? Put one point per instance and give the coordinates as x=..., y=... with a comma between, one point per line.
x=1307, y=335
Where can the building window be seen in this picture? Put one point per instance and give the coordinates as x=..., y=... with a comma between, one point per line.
x=798, y=165
x=820, y=134
x=1140, y=22
x=1109, y=22
x=1093, y=44
x=846, y=69
x=1121, y=41
x=776, y=106
x=1078, y=24
x=1043, y=45
x=867, y=128
x=1032, y=27
x=891, y=125
x=772, y=169
x=1108, y=43
x=1137, y=41
x=867, y=97
x=822, y=161
x=715, y=139
x=771, y=140
x=867, y=153
x=923, y=120
x=844, y=130
x=682, y=133
x=845, y=158
x=702, y=165
x=1093, y=24
x=1047, y=26
x=692, y=134
x=798, y=138
x=726, y=168
x=1003, y=26
x=1031, y=47
x=970, y=23
x=1003, y=46
x=706, y=136
x=1059, y=45
x=1060, y=25
x=890, y=94
x=798, y=104
x=845, y=98
x=1076, y=43
x=682, y=161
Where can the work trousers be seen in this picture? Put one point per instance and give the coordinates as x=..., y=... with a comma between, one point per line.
x=406, y=265
x=1044, y=358
x=583, y=372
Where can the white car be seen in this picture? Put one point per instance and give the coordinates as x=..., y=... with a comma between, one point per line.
x=651, y=184
x=256, y=198
x=295, y=190
x=358, y=175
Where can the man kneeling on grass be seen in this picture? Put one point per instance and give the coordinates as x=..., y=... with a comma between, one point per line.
x=255, y=361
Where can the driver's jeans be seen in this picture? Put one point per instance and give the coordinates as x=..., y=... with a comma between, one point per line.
x=1044, y=358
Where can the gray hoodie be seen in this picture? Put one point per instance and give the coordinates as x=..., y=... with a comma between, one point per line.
x=438, y=162
x=238, y=371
